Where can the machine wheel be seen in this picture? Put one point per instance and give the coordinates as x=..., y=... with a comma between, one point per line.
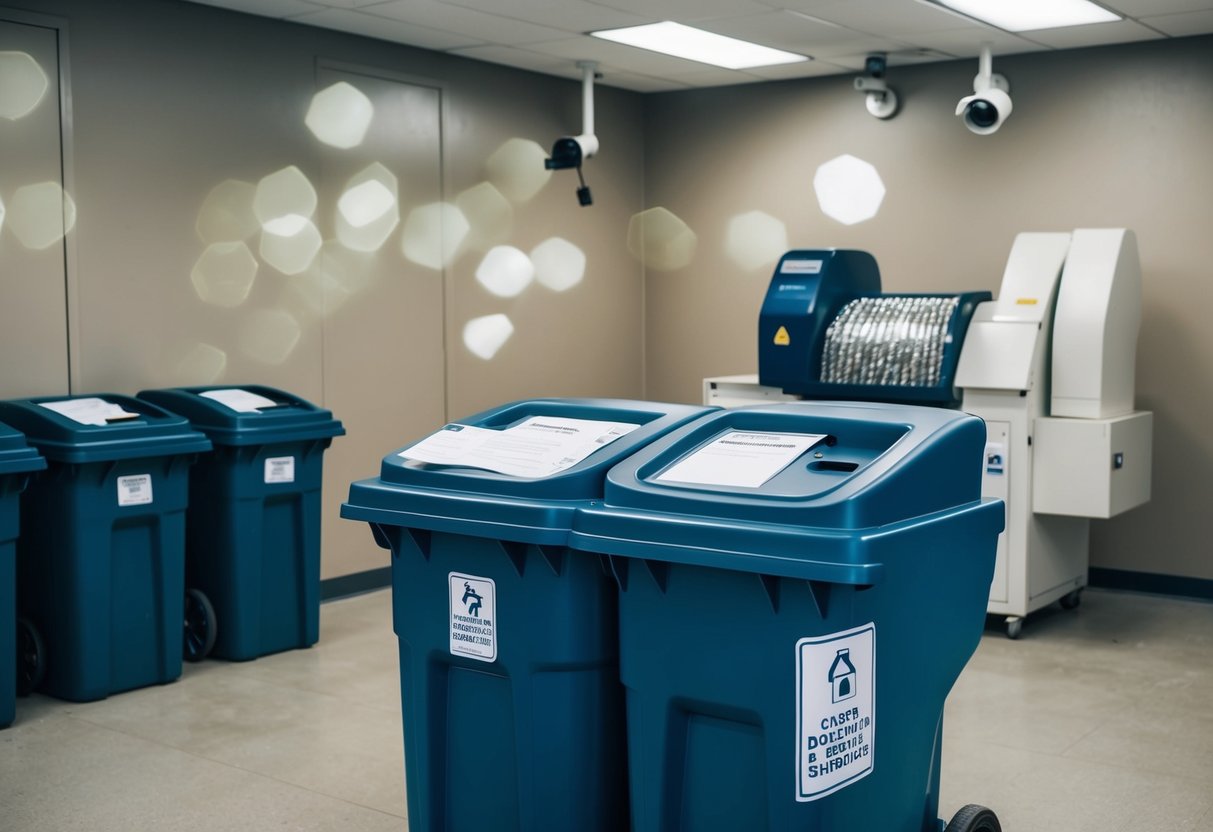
x=974, y=818
x=1014, y=627
x=1071, y=600
x=31, y=657
x=200, y=626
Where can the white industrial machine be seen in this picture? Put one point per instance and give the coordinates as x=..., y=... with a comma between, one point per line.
x=1049, y=365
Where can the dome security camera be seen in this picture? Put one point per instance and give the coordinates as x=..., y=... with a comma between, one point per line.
x=990, y=104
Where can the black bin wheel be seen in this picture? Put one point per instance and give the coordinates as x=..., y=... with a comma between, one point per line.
x=974, y=818
x=31, y=657
x=200, y=626
x=1071, y=600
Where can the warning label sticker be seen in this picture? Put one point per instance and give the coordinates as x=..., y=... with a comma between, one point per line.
x=473, y=617
x=835, y=711
x=135, y=490
x=280, y=469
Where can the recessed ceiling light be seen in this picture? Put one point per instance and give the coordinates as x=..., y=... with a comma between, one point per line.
x=672, y=38
x=1027, y=15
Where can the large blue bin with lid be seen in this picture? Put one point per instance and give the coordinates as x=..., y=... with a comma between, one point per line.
x=101, y=556
x=17, y=462
x=253, y=529
x=800, y=586
x=513, y=713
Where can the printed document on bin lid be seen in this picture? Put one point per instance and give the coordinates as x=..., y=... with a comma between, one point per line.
x=241, y=401
x=741, y=459
x=90, y=411
x=539, y=447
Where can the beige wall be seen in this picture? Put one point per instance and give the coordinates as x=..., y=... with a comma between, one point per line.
x=1114, y=136
x=169, y=99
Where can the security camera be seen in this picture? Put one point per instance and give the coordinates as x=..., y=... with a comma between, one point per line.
x=990, y=104
x=881, y=101
x=571, y=151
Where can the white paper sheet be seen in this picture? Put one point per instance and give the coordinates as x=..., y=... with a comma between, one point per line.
x=539, y=447
x=744, y=460
x=90, y=411
x=241, y=401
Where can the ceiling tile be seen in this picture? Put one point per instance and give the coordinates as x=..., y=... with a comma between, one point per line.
x=1095, y=34
x=345, y=4
x=885, y=18
x=521, y=58
x=609, y=53
x=574, y=15
x=266, y=8
x=811, y=69
x=1181, y=25
x=965, y=43
x=641, y=83
x=490, y=28
x=380, y=27
x=686, y=11
x=1153, y=8
x=783, y=30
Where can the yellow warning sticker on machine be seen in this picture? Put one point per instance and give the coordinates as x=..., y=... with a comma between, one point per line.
x=1026, y=301
x=782, y=339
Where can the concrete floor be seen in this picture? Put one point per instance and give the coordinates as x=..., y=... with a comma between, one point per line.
x=1099, y=719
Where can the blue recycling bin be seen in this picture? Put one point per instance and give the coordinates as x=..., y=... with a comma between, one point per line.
x=800, y=586
x=17, y=462
x=101, y=556
x=513, y=713
x=253, y=529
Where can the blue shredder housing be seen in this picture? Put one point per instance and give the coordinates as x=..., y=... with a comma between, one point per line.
x=17, y=462
x=808, y=291
x=253, y=529
x=742, y=714
x=530, y=734
x=101, y=557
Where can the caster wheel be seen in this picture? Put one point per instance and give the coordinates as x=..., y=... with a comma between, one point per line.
x=1014, y=628
x=200, y=626
x=31, y=658
x=974, y=818
x=1071, y=600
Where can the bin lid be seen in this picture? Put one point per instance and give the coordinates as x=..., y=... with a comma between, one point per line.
x=16, y=457
x=791, y=489
x=101, y=428
x=514, y=506
x=247, y=415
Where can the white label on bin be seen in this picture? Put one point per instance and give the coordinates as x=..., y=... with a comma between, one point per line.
x=241, y=401
x=280, y=469
x=835, y=711
x=538, y=447
x=135, y=490
x=90, y=411
x=473, y=617
x=745, y=460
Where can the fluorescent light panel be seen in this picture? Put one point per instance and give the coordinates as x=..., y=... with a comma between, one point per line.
x=672, y=38
x=1028, y=15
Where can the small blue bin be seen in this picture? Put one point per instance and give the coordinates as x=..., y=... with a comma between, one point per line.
x=794, y=611
x=253, y=529
x=101, y=557
x=17, y=462
x=517, y=723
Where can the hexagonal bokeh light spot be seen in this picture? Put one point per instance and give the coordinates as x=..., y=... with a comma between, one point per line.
x=340, y=115
x=755, y=239
x=516, y=169
x=559, y=265
x=284, y=201
x=203, y=364
x=23, y=85
x=433, y=234
x=505, y=271
x=270, y=336
x=224, y=274
x=368, y=210
x=848, y=189
x=226, y=215
x=485, y=336
x=291, y=253
x=489, y=214
x=658, y=238
x=41, y=215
